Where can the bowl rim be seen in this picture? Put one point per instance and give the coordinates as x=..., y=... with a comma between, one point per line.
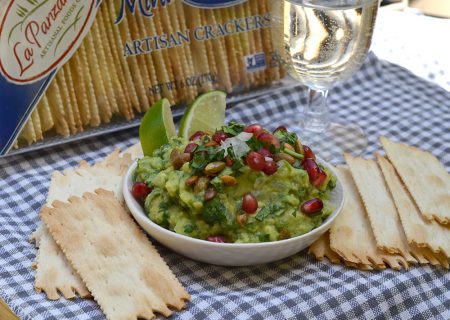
x=136, y=209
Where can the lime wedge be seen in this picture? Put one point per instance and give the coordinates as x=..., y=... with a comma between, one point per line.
x=206, y=113
x=156, y=127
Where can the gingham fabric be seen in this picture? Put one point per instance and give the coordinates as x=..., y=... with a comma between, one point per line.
x=383, y=98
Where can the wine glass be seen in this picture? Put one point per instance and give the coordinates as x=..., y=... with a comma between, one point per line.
x=325, y=42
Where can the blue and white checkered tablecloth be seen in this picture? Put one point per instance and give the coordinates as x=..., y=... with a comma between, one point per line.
x=383, y=98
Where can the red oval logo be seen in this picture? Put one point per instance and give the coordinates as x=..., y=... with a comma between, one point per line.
x=38, y=36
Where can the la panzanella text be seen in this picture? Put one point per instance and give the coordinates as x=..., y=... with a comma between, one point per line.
x=24, y=51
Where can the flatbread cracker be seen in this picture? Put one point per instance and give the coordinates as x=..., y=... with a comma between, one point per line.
x=27, y=132
x=55, y=102
x=65, y=96
x=73, y=97
x=379, y=206
x=79, y=87
x=37, y=124
x=54, y=273
x=128, y=279
x=321, y=249
x=193, y=90
x=105, y=69
x=351, y=235
x=418, y=230
x=45, y=114
x=425, y=177
x=198, y=48
x=115, y=42
x=135, y=151
x=98, y=82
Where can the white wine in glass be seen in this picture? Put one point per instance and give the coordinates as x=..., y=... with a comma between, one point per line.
x=325, y=42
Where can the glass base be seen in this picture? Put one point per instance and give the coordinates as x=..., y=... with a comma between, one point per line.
x=338, y=138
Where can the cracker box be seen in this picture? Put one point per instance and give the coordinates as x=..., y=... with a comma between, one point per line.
x=70, y=66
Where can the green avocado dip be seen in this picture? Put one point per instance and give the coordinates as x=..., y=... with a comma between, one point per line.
x=239, y=185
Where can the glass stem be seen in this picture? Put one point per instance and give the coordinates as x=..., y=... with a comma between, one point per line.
x=316, y=115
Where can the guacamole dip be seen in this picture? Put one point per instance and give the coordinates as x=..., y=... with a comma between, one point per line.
x=239, y=184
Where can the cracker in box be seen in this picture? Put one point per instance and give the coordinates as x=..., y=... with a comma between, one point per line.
x=70, y=66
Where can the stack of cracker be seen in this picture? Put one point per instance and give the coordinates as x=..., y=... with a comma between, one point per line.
x=90, y=246
x=100, y=83
x=396, y=212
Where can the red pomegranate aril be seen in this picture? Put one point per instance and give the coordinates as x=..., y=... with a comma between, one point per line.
x=308, y=153
x=280, y=128
x=312, y=169
x=196, y=136
x=140, y=191
x=249, y=203
x=320, y=179
x=190, y=148
x=219, y=136
x=228, y=161
x=265, y=153
x=255, y=161
x=217, y=239
x=254, y=128
x=269, y=140
x=270, y=168
x=312, y=206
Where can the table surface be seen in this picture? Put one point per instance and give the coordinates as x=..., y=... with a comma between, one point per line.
x=402, y=131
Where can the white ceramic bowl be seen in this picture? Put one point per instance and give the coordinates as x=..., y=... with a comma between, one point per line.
x=229, y=254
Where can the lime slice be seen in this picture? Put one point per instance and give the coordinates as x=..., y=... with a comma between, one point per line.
x=156, y=127
x=206, y=113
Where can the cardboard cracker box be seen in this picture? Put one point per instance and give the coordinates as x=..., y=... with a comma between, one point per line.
x=69, y=66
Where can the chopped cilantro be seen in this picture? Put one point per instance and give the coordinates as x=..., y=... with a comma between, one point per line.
x=163, y=206
x=214, y=211
x=255, y=144
x=204, y=155
x=270, y=209
x=238, y=164
x=233, y=128
x=189, y=228
x=286, y=137
x=217, y=184
x=263, y=237
x=199, y=161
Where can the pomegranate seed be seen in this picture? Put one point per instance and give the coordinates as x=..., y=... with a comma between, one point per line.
x=320, y=179
x=270, y=168
x=229, y=162
x=217, y=239
x=197, y=136
x=190, y=148
x=249, y=203
x=308, y=153
x=265, y=153
x=269, y=140
x=280, y=128
x=312, y=206
x=312, y=169
x=140, y=191
x=255, y=161
x=210, y=193
x=220, y=136
x=254, y=128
